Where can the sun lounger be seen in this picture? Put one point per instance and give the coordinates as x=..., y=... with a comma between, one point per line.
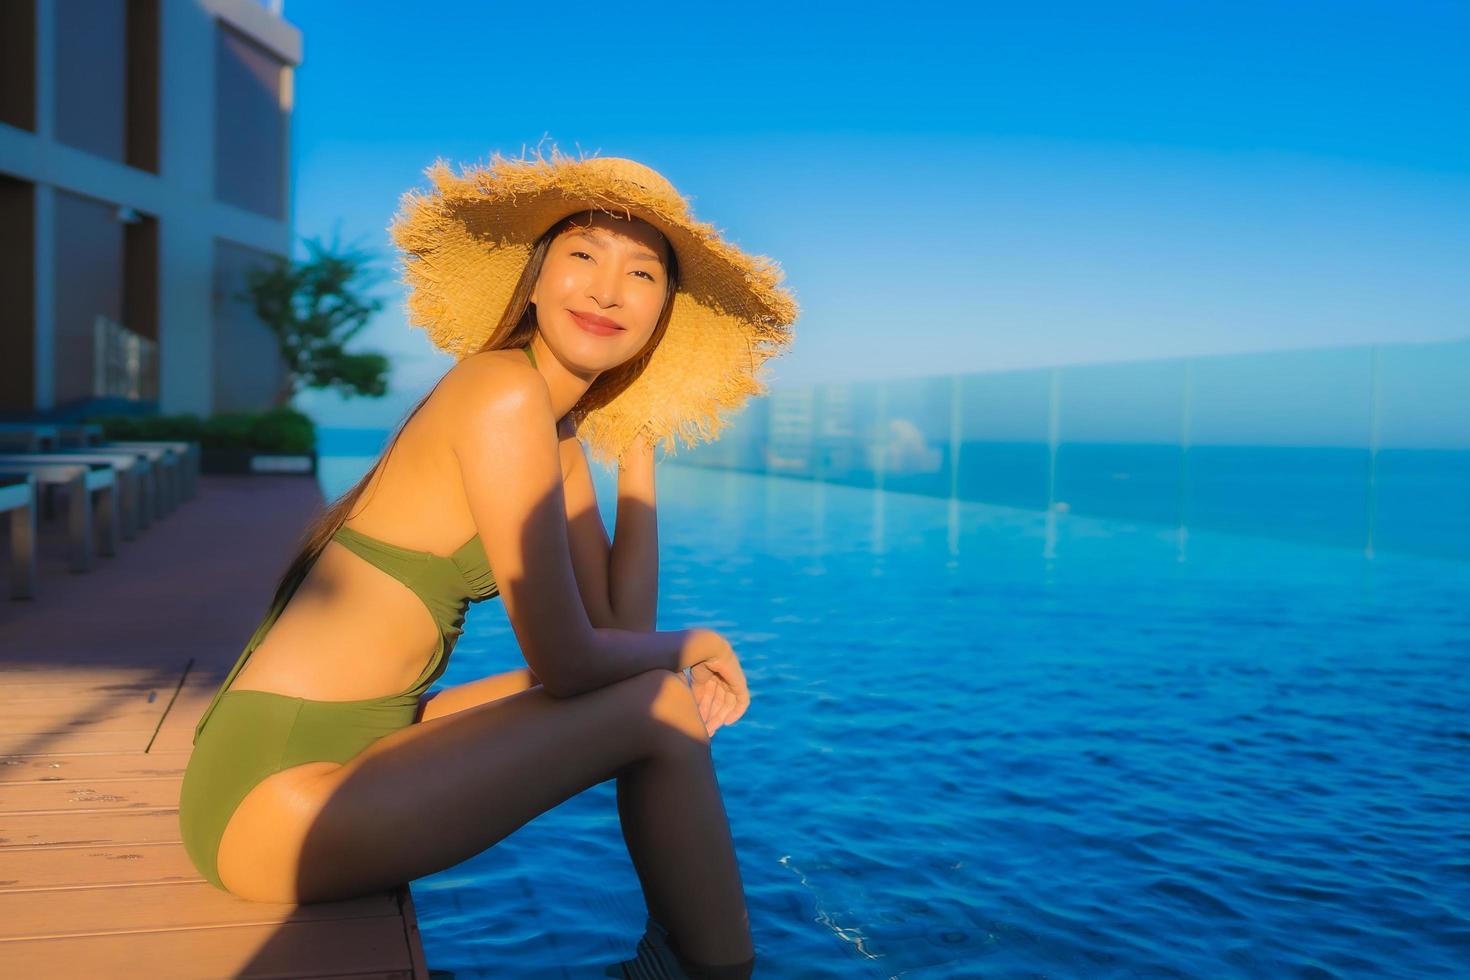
x=135, y=504
x=18, y=500
x=189, y=454
x=79, y=434
x=46, y=437
x=164, y=473
x=29, y=437
x=176, y=463
x=82, y=482
x=162, y=477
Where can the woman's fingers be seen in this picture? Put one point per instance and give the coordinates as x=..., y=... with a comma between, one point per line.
x=722, y=699
x=726, y=703
x=720, y=709
x=710, y=711
x=707, y=707
x=735, y=709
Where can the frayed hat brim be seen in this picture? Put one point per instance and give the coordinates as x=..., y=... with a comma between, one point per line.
x=467, y=239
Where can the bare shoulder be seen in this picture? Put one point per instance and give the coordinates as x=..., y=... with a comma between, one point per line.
x=491, y=397
x=495, y=385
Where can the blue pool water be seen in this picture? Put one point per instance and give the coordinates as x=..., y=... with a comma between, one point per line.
x=986, y=742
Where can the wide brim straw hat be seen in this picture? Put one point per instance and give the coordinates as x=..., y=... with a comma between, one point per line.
x=465, y=244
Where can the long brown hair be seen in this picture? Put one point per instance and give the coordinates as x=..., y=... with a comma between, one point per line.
x=516, y=328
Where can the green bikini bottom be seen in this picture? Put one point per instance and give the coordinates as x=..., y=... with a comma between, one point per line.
x=253, y=734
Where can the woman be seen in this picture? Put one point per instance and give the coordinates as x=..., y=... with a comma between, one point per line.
x=584, y=302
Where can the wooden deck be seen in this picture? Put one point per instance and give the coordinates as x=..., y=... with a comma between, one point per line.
x=102, y=678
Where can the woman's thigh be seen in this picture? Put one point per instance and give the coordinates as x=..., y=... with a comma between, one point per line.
x=457, y=697
x=430, y=795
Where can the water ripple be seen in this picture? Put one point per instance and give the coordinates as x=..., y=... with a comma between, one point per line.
x=968, y=759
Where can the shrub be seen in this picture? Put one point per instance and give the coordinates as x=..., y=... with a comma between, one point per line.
x=280, y=430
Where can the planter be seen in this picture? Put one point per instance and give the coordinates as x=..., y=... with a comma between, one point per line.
x=245, y=462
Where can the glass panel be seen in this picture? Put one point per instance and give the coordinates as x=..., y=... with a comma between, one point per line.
x=1363, y=447
x=1004, y=454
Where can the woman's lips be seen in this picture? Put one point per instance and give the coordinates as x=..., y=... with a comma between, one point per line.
x=594, y=327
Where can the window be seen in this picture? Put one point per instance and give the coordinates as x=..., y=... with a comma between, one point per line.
x=18, y=63
x=107, y=78
x=251, y=116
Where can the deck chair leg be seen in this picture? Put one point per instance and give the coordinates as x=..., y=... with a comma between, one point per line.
x=107, y=520
x=128, y=504
x=145, y=499
x=79, y=522
x=23, y=551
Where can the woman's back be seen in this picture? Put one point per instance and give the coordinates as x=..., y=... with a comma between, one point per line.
x=354, y=630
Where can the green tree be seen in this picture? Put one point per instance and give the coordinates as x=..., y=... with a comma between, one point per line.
x=314, y=306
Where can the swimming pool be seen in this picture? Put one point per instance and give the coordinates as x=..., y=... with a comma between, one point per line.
x=991, y=742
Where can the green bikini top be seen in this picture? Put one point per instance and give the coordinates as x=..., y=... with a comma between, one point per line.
x=446, y=584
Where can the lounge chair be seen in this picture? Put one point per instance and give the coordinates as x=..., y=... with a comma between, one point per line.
x=189, y=454
x=82, y=482
x=136, y=501
x=29, y=437
x=18, y=499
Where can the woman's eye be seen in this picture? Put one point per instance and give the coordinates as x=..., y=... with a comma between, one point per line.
x=640, y=272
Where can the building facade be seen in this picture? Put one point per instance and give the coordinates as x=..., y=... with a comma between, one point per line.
x=144, y=169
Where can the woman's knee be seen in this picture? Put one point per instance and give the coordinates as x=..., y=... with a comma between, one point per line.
x=674, y=713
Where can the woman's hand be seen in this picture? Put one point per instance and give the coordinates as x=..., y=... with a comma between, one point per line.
x=719, y=688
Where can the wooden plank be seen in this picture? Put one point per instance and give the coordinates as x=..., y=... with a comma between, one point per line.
x=88, y=795
x=54, y=913
x=160, y=826
x=174, y=738
x=73, y=742
x=404, y=895
x=327, y=947
x=65, y=685
x=108, y=713
x=41, y=672
x=188, y=704
x=24, y=868
x=97, y=717
x=120, y=765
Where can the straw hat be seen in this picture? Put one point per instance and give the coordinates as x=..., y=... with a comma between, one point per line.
x=466, y=242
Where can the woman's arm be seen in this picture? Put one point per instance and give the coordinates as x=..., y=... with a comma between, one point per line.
x=507, y=456
x=618, y=580
x=633, y=567
x=586, y=535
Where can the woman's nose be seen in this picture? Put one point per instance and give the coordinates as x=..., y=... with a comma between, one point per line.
x=606, y=285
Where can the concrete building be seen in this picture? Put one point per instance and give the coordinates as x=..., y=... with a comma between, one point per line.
x=144, y=167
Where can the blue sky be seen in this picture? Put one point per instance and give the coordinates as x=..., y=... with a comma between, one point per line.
x=950, y=187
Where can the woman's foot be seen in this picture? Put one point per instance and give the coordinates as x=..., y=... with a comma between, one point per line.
x=656, y=959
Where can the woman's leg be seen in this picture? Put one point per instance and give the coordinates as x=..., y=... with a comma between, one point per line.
x=448, y=700
x=698, y=897
x=642, y=803
x=432, y=794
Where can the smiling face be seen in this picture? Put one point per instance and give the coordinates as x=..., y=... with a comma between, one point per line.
x=601, y=289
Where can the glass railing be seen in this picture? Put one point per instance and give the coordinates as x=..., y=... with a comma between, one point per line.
x=124, y=363
x=1364, y=447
